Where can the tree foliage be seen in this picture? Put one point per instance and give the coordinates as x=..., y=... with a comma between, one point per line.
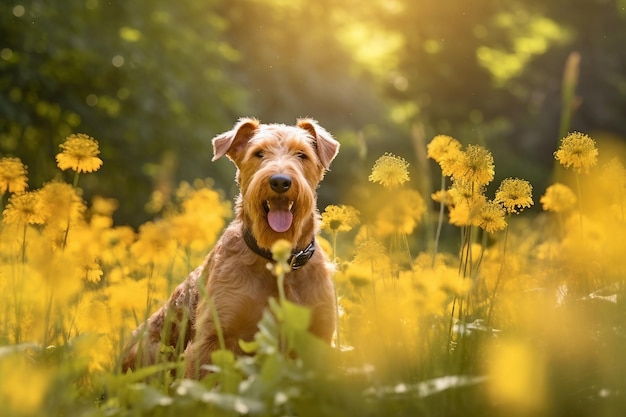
x=153, y=81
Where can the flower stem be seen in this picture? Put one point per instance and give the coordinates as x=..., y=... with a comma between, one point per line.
x=497, y=285
x=439, y=220
x=336, y=293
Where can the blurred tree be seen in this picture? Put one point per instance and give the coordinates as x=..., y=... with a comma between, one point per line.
x=155, y=80
x=148, y=79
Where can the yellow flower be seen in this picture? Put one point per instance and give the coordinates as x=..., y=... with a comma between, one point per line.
x=281, y=251
x=443, y=196
x=467, y=213
x=491, y=217
x=402, y=214
x=475, y=165
x=63, y=205
x=446, y=151
x=558, y=198
x=614, y=174
x=466, y=191
x=372, y=251
x=25, y=208
x=12, y=176
x=390, y=170
x=514, y=195
x=155, y=243
x=578, y=151
x=339, y=218
x=79, y=153
x=23, y=386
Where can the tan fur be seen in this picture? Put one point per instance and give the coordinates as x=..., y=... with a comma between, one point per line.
x=233, y=277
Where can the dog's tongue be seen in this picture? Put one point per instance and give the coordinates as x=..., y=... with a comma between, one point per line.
x=279, y=219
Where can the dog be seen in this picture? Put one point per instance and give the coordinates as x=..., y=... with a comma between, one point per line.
x=279, y=168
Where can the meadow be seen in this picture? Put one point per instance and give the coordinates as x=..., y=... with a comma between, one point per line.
x=522, y=314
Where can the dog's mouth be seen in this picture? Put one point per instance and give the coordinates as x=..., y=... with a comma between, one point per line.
x=279, y=214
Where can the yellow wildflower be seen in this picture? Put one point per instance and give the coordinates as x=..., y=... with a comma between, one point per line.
x=12, y=176
x=155, y=243
x=578, y=151
x=466, y=192
x=63, y=204
x=25, y=208
x=443, y=196
x=23, y=386
x=402, y=214
x=390, y=170
x=79, y=153
x=446, y=151
x=104, y=206
x=614, y=174
x=514, y=195
x=339, y=218
x=466, y=213
x=281, y=250
x=92, y=271
x=558, y=198
x=475, y=165
x=491, y=217
x=371, y=251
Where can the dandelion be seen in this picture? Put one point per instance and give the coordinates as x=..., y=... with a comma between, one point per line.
x=514, y=195
x=577, y=151
x=558, y=198
x=443, y=196
x=390, y=170
x=155, y=243
x=402, y=214
x=475, y=165
x=79, y=153
x=92, y=271
x=12, y=176
x=491, y=217
x=371, y=250
x=467, y=192
x=339, y=218
x=23, y=209
x=446, y=151
x=281, y=251
x=23, y=387
x=62, y=202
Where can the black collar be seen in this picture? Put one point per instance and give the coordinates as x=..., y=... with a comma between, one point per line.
x=298, y=257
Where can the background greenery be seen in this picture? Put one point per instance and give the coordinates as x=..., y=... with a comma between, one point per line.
x=155, y=80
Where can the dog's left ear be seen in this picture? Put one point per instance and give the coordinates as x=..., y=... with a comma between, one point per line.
x=326, y=146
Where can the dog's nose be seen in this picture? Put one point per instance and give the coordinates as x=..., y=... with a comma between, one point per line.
x=280, y=183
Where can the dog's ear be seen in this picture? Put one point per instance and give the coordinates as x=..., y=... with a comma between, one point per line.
x=231, y=143
x=326, y=146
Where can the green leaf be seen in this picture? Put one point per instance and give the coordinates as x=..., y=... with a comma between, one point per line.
x=223, y=358
x=296, y=317
x=248, y=347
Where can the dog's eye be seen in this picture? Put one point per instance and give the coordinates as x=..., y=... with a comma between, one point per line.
x=259, y=154
x=302, y=155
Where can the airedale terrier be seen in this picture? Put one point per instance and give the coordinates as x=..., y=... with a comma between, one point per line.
x=279, y=168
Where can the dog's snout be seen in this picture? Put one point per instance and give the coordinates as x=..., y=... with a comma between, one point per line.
x=280, y=183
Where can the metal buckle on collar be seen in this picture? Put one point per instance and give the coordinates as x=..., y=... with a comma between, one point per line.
x=299, y=259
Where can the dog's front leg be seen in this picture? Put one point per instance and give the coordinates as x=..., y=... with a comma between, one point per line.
x=237, y=316
x=169, y=326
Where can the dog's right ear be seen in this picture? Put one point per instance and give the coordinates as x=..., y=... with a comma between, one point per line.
x=231, y=143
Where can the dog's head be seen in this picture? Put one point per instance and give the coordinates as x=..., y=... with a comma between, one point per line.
x=278, y=170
